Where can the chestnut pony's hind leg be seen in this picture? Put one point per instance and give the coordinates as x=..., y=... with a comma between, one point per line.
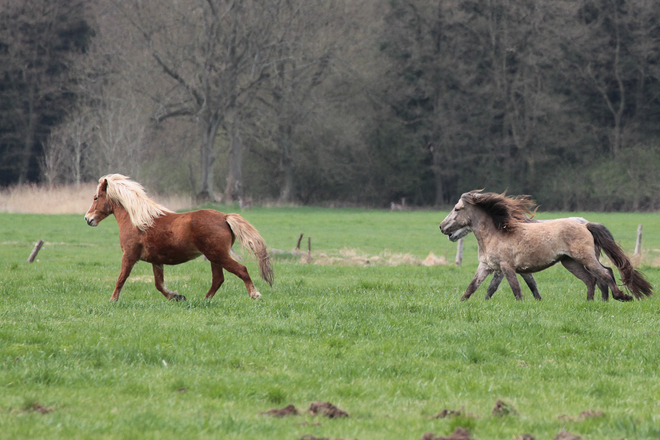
x=160, y=284
x=221, y=259
x=218, y=279
x=241, y=271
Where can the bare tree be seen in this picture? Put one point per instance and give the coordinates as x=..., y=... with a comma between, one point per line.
x=66, y=149
x=39, y=40
x=212, y=52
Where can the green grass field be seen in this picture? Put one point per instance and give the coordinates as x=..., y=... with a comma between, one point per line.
x=392, y=346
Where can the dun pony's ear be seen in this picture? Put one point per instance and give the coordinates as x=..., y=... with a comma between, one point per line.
x=103, y=187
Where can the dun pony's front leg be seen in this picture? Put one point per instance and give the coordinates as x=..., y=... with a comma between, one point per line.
x=160, y=284
x=511, y=277
x=482, y=272
x=531, y=283
x=127, y=263
x=494, y=284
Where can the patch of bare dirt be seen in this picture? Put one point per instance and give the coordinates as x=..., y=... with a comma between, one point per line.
x=503, y=409
x=525, y=437
x=35, y=407
x=311, y=437
x=288, y=410
x=458, y=434
x=590, y=414
x=453, y=413
x=326, y=409
x=565, y=435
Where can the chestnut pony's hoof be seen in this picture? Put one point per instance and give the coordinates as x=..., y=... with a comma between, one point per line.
x=178, y=298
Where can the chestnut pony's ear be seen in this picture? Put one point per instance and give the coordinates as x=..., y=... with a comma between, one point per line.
x=103, y=187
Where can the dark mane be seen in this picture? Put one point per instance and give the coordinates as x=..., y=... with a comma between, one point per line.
x=506, y=212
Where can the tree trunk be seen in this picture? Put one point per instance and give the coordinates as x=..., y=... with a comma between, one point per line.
x=206, y=193
x=286, y=194
x=437, y=174
x=234, y=188
x=31, y=123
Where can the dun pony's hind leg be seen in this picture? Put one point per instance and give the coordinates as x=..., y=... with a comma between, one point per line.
x=494, y=284
x=160, y=284
x=482, y=272
x=607, y=275
x=511, y=277
x=531, y=283
x=127, y=263
x=580, y=272
x=218, y=279
x=602, y=285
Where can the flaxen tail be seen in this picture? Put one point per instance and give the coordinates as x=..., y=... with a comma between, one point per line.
x=632, y=279
x=250, y=239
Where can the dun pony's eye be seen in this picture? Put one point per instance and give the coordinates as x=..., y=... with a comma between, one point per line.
x=96, y=198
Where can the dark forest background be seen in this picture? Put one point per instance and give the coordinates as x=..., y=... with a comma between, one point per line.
x=350, y=102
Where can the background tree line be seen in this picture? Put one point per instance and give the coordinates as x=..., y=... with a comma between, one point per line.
x=352, y=102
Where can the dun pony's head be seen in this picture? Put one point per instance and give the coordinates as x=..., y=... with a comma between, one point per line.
x=506, y=212
x=117, y=189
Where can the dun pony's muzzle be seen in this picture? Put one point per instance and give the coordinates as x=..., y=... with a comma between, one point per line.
x=90, y=221
x=457, y=235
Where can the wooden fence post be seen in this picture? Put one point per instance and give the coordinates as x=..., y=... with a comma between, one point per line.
x=459, y=253
x=309, y=250
x=35, y=251
x=638, y=243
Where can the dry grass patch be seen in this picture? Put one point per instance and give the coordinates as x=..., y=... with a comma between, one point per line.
x=67, y=199
x=356, y=257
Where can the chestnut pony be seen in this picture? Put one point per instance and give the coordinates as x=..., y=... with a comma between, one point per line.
x=508, y=242
x=152, y=233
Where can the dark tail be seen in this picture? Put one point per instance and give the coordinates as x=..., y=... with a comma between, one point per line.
x=632, y=279
x=250, y=239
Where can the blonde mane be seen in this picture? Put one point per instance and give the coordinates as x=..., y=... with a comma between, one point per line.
x=131, y=195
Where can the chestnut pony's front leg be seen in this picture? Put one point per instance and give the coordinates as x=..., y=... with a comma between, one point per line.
x=482, y=272
x=127, y=263
x=160, y=284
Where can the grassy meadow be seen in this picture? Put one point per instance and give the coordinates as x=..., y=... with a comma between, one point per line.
x=388, y=342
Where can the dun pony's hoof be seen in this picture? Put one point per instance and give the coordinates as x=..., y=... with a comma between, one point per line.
x=623, y=297
x=178, y=298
